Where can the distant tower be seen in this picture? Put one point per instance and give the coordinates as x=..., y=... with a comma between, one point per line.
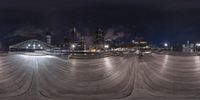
x=99, y=42
x=188, y=43
x=48, y=37
x=73, y=35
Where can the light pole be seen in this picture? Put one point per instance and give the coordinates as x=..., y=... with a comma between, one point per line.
x=106, y=46
x=197, y=47
x=73, y=47
x=166, y=45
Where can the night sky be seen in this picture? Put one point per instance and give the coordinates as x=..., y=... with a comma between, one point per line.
x=157, y=21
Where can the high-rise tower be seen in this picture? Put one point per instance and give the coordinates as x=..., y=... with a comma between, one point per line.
x=99, y=41
x=48, y=37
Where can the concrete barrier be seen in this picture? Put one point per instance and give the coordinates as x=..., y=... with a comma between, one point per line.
x=178, y=53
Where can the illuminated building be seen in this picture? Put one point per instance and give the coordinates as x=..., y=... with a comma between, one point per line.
x=189, y=47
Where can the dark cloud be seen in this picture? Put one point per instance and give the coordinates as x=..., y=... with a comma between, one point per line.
x=27, y=31
x=114, y=34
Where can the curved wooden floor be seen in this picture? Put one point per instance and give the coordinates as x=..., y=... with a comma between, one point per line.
x=171, y=76
x=105, y=78
x=99, y=78
x=15, y=76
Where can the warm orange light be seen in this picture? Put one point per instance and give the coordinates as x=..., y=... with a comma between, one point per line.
x=93, y=50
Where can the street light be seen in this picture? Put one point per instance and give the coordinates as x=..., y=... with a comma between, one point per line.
x=106, y=46
x=165, y=44
x=73, y=46
x=198, y=44
x=197, y=47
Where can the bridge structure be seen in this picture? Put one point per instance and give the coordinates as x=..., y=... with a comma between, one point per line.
x=32, y=45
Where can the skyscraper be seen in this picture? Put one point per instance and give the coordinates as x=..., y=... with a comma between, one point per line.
x=73, y=35
x=48, y=37
x=99, y=41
